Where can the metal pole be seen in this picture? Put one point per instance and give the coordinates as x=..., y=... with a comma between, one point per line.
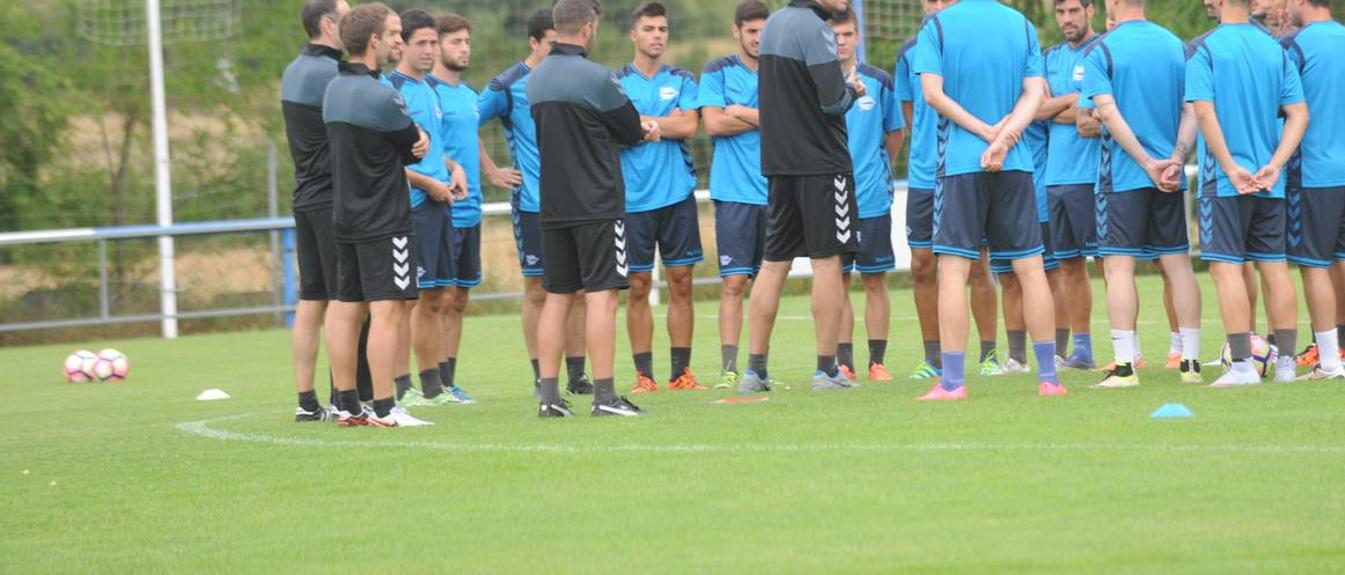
x=163, y=183
x=272, y=206
x=858, y=7
x=104, y=306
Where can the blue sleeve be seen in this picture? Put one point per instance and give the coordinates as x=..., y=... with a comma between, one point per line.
x=492, y=103
x=1291, y=89
x=929, y=50
x=1200, y=77
x=892, y=120
x=902, y=77
x=1096, y=81
x=1035, y=63
x=689, y=98
x=711, y=91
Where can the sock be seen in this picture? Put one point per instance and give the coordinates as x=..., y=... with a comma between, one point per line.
x=1083, y=346
x=845, y=355
x=1188, y=342
x=954, y=375
x=452, y=368
x=987, y=348
x=349, y=401
x=309, y=401
x=604, y=390
x=1018, y=346
x=644, y=364
x=383, y=407
x=1175, y=343
x=1270, y=339
x=1138, y=352
x=877, y=351
x=431, y=383
x=934, y=353
x=729, y=354
x=1045, y=352
x=827, y=364
x=402, y=383
x=574, y=368
x=550, y=391
x=1123, y=344
x=446, y=373
x=1328, y=346
x=1243, y=366
x=536, y=369
x=1239, y=346
x=680, y=358
x=1340, y=331
x=757, y=363
x=1061, y=341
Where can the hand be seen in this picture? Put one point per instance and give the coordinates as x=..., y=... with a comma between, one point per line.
x=1173, y=176
x=993, y=158
x=422, y=146
x=1157, y=170
x=506, y=178
x=458, y=183
x=1088, y=123
x=1243, y=181
x=859, y=87
x=439, y=191
x=652, y=131
x=1267, y=177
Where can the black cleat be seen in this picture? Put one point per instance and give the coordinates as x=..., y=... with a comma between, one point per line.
x=548, y=410
x=617, y=406
x=302, y=415
x=581, y=386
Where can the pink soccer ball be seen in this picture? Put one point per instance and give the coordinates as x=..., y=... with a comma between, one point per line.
x=79, y=366
x=111, y=365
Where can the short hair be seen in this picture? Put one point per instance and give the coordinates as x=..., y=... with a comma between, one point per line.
x=360, y=23
x=312, y=14
x=846, y=16
x=571, y=15
x=539, y=23
x=647, y=10
x=1085, y=3
x=1320, y=3
x=749, y=10
x=415, y=19
x=450, y=23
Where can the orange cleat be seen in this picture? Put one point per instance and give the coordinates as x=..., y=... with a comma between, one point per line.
x=685, y=382
x=850, y=375
x=1310, y=356
x=878, y=372
x=644, y=384
x=938, y=393
x=1174, y=360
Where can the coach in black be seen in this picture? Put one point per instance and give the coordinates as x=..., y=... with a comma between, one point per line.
x=803, y=97
x=583, y=117
x=372, y=139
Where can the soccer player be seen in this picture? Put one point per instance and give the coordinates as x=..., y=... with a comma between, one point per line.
x=506, y=98
x=1134, y=78
x=459, y=135
x=812, y=211
x=302, y=87
x=582, y=117
x=436, y=182
x=1071, y=171
x=1240, y=80
x=981, y=69
x=728, y=98
x=1316, y=177
x=660, y=209
x=372, y=140
x=874, y=128
x=921, y=167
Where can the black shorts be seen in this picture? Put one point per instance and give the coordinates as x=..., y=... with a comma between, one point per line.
x=675, y=230
x=920, y=218
x=467, y=257
x=1073, y=213
x=740, y=238
x=434, y=245
x=811, y=216
x=377, y=270
x=1142, y=222
x=316, y=245
x=1316, y=226
x=588, y=256
x=875, y=254
x=1239, y=229
x=999, y=207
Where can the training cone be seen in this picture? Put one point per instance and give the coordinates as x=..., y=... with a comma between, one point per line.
x=1172, y=411
x=211, y=395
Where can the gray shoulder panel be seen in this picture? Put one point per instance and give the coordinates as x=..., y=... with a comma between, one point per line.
x=364, y=102
x=575, y=80
x=305, y=80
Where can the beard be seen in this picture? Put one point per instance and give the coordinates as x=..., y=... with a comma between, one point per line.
x=455, y=66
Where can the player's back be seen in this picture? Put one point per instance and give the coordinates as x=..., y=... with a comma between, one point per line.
x=1318, y=50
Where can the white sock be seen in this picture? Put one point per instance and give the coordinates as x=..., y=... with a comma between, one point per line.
x=1175, y=343
x=1125, y=345
x=1190, y=342
x=1328, y=346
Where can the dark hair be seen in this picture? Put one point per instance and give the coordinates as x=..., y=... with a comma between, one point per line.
x=1320, y=3
x=312, y=14
x=749, y=10
x=539, y=23
x=571, y=15
x=362, y=22
x=1084, y=3
x=450, y=23
x=647, y=10
x=847, y=16
x=415, y=19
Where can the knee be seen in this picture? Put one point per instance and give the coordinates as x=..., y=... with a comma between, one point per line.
x=533, y=293
x=874, y=284
x=735, y=286
x=640, y=284
x=679, y=287
x=923, y=269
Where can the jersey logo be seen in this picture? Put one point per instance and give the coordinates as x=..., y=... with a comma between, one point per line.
x=532, y=259
x=866, y=103
x=1078, y=73
x=667, y=93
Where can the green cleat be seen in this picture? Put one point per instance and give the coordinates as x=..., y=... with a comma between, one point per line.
x=727, y=380
x=991, y=367
x=925, y=370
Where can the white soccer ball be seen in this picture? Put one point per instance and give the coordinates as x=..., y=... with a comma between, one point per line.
x=78, y=366
x=112, y=365
x=1262, y=357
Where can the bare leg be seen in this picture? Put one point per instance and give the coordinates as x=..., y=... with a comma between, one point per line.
x=983, y=300
x=454, y=310
x=305, y=339
x=681, y=311
x=924, y=274
x=765, y=304
x=343, y=339
x=828, y=302
x=534, y=297
x=731, y=310
x=427, y=330
x=877, y=308
x=601, y=330
x=551, y=333
x=1234, y=302
x=575, y=326
x=847, y=330
x=639, y=314
x=384, y=336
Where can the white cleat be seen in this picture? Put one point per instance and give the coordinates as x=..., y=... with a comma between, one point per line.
x=1235, y=378
x=398, y=417
x=1318, y=373
x=1013, y=366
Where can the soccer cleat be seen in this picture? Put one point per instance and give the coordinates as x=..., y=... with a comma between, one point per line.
x=991, y=366
x=1190, y=369
x=878, y=372
x=1174, y=360
x=1013, y=367
x=618, y=406
x=581, y=386
x=1236, y=378
x=938, y=393
x=1048, y=389
x=847, y=372
x=644, y=384
x=398, y=417
x=751, y=383
x=347, y=419
x=1139, y=364
x=824, y=382
x=1284, y=370
x=1318, y=373
x=727, y=380
x=1059, y=361
x=549, y=410
x=685, y=382
x=1120, y=377
x=1310, y=356
x=1075, y=362
x=460, y=395
x=925, y=370
x=302, y=415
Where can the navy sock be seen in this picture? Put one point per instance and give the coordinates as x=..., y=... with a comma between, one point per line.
x=644, y=364
x=574, y=368
x=402, y=383
x=827, y=364
x=431, y=384
x=349, y=401
x=987, y=348
x=309, y=401
x=877, y=351
x=845, y=355
x=383, y=407
x=445, y=373
x=757, y=363
x=1061, y=340
x=680, y=360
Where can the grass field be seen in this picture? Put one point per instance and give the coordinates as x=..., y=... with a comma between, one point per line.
x=140, y=477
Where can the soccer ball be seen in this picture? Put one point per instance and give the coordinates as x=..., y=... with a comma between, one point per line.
x=111, y=365
x=78, y=366
x=1262, y=357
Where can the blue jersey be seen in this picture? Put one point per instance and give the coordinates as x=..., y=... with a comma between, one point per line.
x=506, y=98
x=1037, y=138
x=735, y=170
x=658, y=174
x=924, y=156
x=1141, y=65
x=984, y=51
x=1071, y=159
x=1248, y=77
x=1318, y=52
x=423, y=104
x=461, y=142
x=867, y=124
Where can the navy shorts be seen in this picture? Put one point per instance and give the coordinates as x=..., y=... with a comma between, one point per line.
x=527, y=238
x=589, y=256
x=316, y=247
x=467, y=256
x=376, y=270
x=434, y=245
x=740, y=238
x=675, y=230
x=920, y=218
x=1073, y=213
x=875, y=254
x=1239, y=229
x=1143, y=222
x=963, y=210
x=1049, y=261
x=1316, y=226
x=812, y=217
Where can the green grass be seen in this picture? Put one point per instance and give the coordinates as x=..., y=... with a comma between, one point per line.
x=100, y=478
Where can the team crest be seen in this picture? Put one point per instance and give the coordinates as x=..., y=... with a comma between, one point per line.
x=725, y=260
x=1078, y=73
x=866, y=103
x=667, y=93
x=532, y=259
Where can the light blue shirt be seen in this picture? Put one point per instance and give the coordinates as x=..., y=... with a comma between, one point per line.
x=423, y=104
x=658, y=174
x=1071, y=159
x=506, y=98
x=868, y=122
x=1318, y=53
x=461, y=141
x=735, y=172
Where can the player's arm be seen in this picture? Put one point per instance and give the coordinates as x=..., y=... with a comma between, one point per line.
x=719, y=122
x=1218, y=146
x=679, y=125
x=1058, y=109
x=908, y=114
x=434, y=188
x=619, y=115
x=893, y=143
x=505, y=178
x=1024, y=111
x=1122, y=134
x=833, y=91
x=457, y=182
x=1295, y=112
x=1186, y=134
x=1087, y=123
x=932, y=84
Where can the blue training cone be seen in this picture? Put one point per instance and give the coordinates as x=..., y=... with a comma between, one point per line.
x=1172, y=411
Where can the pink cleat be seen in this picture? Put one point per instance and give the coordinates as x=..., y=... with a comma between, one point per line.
x=938, y=393
x=1048, y=389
